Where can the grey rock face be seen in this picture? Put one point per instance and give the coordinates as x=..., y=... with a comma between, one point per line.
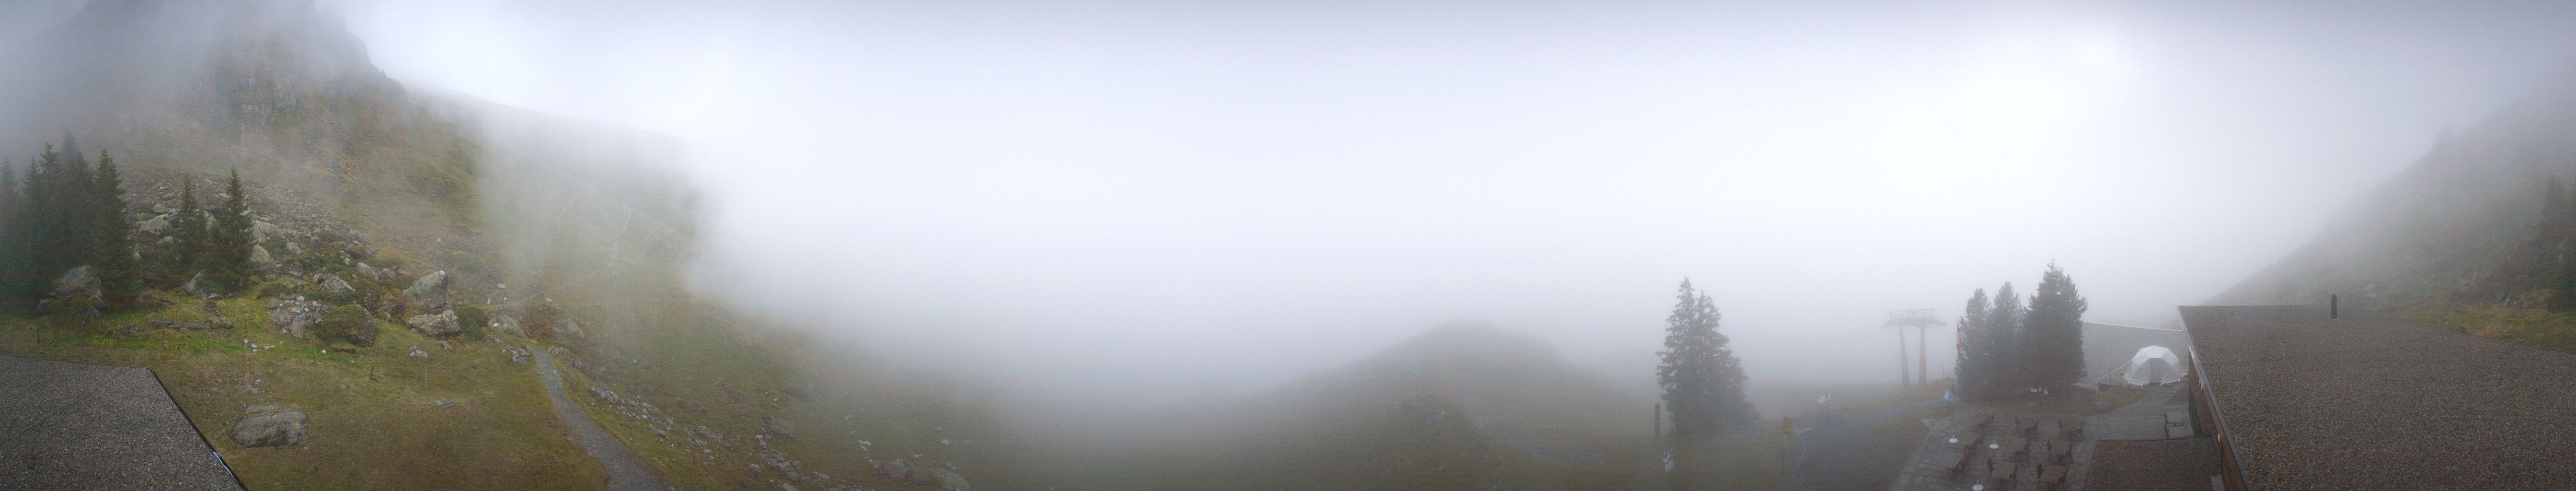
x=334, y=284
x=77, y=290
x=437, y=326
x=429, y=292
x=261, y=231
x=269, y=425
x=295, y=317
x=159, y=225
x=259, y=256
x=369, y=271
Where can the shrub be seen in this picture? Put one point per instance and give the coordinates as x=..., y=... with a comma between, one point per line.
x=348, y=324
x=474, y=320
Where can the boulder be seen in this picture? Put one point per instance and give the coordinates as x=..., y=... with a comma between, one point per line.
x=333, y=284
x=570, y=329
x=160, y=323
x=292, y=249
x=508, y=325
x=269, y=425
x=777, y=427
x=193, y=326
x=260, y=231
x=128, y=329
x=295, y=317
x=159, y=225
x=191, y=285
x=259, y=256
x=895, y=469
x=368, y=271
x=437, y=326
x=77, y=292
x=948, y=479
x=218, y=322
x=429, y=292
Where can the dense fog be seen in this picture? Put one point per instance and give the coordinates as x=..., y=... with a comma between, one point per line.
x=1164, y=197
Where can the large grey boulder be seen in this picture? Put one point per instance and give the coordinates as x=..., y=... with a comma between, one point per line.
x=506, y=324
x=259, y=256
x=76, y=292
x=333, y=284
x=437, y=326
x=261, y=231
x=295, y=317
x=269, y=425
x=894, y=469
x=429, y=292
x=369, y=272
x=159, y=225
x=777, y=427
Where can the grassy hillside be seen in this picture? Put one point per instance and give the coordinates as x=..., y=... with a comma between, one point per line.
x=1465, y=406
x=2453, y=241
x=529, y=215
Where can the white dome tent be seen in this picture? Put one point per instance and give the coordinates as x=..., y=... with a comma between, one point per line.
x=2152, y=365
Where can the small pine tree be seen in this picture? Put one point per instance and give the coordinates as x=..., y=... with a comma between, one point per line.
x=230, y=238
x=1975, y=378
x=2053, y=334
x=2003, y=331
x=1703, y=382
x=188, y=232
x=120, y=279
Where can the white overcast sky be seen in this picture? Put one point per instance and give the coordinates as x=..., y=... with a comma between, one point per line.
x=1143, y=193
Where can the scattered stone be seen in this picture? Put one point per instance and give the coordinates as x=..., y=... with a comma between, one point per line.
x=949, y=479
x=259, y=255
x=508, y=325
x=429, y=292
x=416, y=352
x=128, y=329
x=260, y=231
x=443, y=403
x=333, y=284
x=269, y=425
x=160, y=323
x=193, y=326
x=441, y=325
x=894, y=469
x=295, y=317
x=218, y=322
x=292, y=249
x=368, y=271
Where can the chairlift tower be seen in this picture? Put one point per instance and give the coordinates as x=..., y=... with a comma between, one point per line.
x=1922, y=321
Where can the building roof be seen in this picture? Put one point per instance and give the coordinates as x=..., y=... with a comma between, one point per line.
x=2181, y=464
x=2371, y=401
x=77, y=426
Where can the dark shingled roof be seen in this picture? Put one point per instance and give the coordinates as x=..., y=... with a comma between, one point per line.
x=76, y=426
x=2180, y=464
x=2371, y=401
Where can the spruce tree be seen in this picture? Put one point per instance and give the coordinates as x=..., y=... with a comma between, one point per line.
x=2053, y=335
x=231, y=235
x=12, y=245
x=188, y=232
x=2002, y=326
x=112, y=249
x=1975, y=378
x=1703, y=382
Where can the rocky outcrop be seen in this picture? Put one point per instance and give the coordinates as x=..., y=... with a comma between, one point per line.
x=262, y=231
x=369, y=272
x=509, y=325
x=333, y=284
x=76, y=292
x=269, y=425
x=159, y=225
x=777, y=427
x=429, y=292
x=294, y=317
x=259, y=256
x=440, y=325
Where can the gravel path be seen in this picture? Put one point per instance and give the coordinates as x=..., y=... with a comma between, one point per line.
x=625, y=470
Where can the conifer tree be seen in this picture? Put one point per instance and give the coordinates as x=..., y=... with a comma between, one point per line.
x=1975, y=378
x=2003, y=326
x=12, y=245
x=2053, y=334
x=1703, y=382
x=230, y=238
x=188, y=231
x=112, y=246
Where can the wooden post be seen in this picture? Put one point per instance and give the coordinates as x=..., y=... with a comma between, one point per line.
x=1659, y=421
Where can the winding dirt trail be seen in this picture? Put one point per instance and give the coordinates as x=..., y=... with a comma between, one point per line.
x=626, y=472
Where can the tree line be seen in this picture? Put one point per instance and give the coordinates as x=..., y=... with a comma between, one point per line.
x=2012, y=351
x=62, y=211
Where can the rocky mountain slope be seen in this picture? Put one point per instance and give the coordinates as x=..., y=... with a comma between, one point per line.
x=472, y=233
x=1464, y=406
x=2456, y=239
